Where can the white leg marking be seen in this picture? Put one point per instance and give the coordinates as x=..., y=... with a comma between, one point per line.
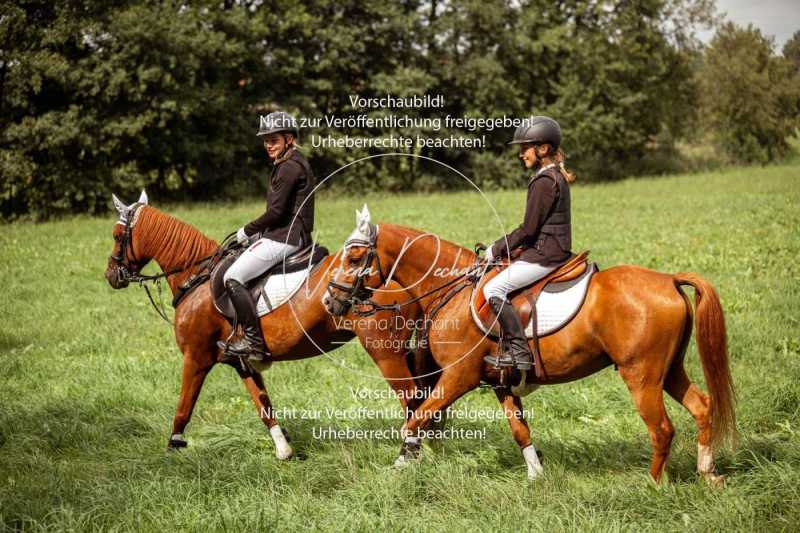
x=282, y=449
x=176, y=436
x=402, y=460
x=532, y=460
x=705, y=459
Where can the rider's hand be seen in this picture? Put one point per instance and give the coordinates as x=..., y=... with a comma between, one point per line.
x=488, y=255
x=242, y=238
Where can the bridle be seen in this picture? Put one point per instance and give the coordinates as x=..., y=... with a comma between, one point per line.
x=359, y=297
x=129, y=271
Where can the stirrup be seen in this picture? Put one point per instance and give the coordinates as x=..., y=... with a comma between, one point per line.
x=241, y=349
x=508, y=361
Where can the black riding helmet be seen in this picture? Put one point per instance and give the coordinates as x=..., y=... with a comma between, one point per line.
x=278, y=122
x=538, y=130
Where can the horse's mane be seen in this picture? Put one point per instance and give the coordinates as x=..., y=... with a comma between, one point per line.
x=173, y=241
x=448, y=248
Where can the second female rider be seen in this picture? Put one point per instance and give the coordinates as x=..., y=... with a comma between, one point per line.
x=544, y=237
x=283, y=229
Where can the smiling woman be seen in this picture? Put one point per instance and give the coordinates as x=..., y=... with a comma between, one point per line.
x=284, y=229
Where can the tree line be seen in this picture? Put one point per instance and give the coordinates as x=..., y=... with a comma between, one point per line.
x=116, y=96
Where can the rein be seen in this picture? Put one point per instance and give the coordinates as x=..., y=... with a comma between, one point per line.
x=357, y=289
x=131, y=271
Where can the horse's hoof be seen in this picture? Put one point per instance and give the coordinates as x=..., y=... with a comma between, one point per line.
x=714, y=480
x=401, y=462
x=534, y=473
x=176, y=444
x=284, y=453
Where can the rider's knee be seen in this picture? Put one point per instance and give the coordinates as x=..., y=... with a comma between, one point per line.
x=231, y=274
x=491, y=290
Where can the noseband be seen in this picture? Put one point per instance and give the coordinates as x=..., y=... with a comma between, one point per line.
x=128, y=271
x=358, y=294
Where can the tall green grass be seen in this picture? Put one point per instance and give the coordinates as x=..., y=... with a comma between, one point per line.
x=89, y=380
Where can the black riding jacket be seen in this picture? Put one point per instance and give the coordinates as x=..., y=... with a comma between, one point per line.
x=545, y=234
x=289, y=217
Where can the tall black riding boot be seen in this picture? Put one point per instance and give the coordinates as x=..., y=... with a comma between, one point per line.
x=252, y=344
x=516, y=353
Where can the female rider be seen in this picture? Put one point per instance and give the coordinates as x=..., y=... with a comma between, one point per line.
x=283, y=229
x=544, y=236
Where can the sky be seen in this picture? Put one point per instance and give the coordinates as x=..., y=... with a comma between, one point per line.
x=778, y=18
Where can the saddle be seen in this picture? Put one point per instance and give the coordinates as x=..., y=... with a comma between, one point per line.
x=302, y=261
x=571, y=277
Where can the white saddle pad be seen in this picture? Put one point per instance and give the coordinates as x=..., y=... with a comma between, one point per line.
x=278, y=289
x=558, y=304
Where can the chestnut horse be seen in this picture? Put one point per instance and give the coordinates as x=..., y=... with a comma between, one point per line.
x=302, y=328
x=636, y=319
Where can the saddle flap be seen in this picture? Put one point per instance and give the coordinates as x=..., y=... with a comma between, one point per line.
x=573, y=273
x=304, y=259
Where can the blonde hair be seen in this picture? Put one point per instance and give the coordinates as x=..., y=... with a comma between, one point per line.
x=559, y=158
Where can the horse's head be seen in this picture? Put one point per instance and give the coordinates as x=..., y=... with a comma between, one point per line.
x=359, y=270
x=126, y=259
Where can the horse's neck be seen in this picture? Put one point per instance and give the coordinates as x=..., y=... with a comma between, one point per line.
x=316, y=283
x=422, y=266
x=174, y=245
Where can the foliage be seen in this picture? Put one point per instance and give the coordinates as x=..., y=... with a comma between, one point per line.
x=751, y=97
x=100, y=97
x=113, y=96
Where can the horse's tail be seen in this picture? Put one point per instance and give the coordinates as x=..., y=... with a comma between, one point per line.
x=712, y=345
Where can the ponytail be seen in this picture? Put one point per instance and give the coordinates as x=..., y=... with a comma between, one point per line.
x=560, y=157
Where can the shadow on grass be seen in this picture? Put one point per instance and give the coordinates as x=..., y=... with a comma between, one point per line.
x=9, y=341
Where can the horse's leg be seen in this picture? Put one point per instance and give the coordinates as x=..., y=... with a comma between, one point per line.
x=254, y=383
x=394, y=368
x=195, y=370
x=454, y=383
x=513, y=411
x=681, y=388
x=388, y=349
x=648, y=395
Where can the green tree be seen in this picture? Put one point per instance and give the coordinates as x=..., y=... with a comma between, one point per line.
x=791, y=50
x=748, y=98
x=100, y=97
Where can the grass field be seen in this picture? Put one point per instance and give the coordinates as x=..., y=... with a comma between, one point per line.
x=89, y=380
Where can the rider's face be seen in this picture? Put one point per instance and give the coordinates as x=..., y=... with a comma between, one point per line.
x=527, y=152
x=275, y=143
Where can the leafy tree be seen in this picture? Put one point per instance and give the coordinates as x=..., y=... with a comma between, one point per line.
x=791, y=50
x=748, y=96
x=100, y=97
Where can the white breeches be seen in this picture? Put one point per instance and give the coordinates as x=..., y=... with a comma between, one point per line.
x=258, y=258
x=517, y=275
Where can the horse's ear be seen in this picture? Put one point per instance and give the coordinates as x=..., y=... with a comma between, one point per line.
x=122, y=209
x=363, y=221
x=358, y=218
x=143, y=197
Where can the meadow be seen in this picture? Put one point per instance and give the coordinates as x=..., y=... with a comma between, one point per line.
x=89, y=380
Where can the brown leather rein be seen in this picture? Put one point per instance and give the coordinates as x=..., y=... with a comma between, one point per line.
x=359, y=296
x=129, y=271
